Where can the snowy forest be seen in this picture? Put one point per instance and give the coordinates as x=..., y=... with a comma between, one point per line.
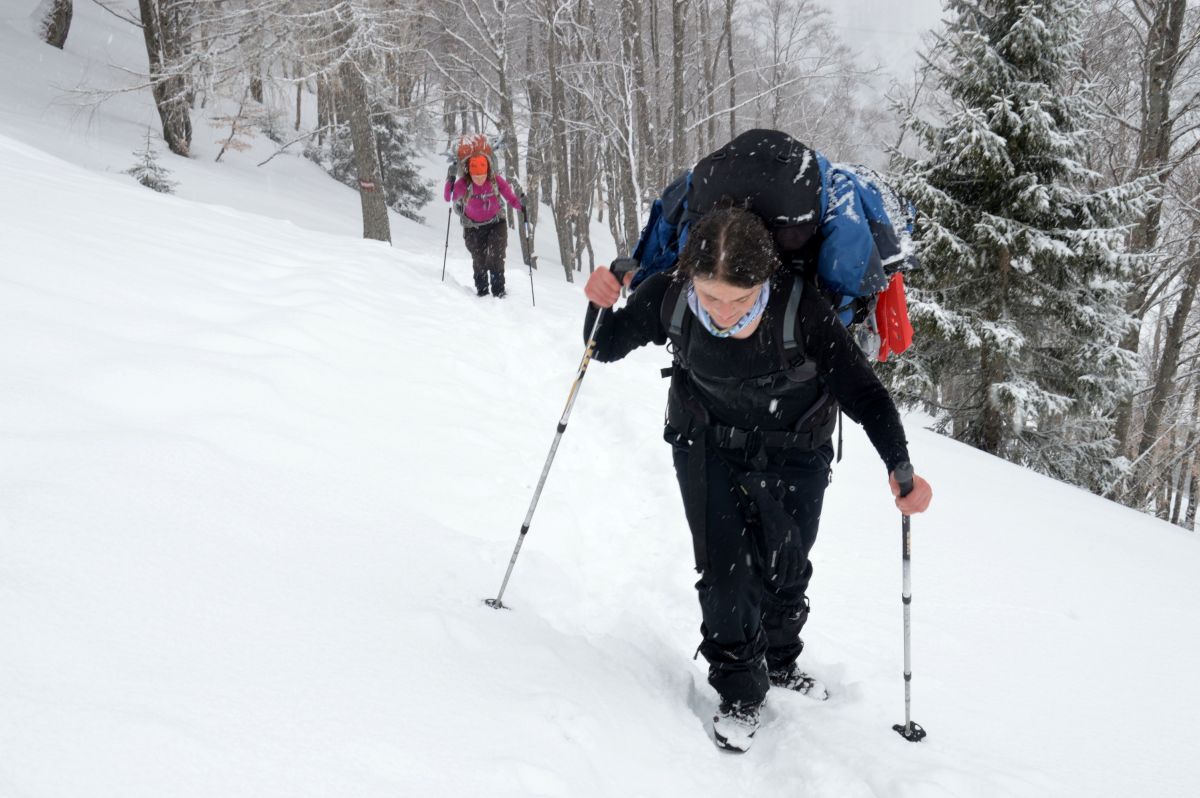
x=1050, y=149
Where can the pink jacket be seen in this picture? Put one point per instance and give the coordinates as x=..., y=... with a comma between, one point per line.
x=482, y=204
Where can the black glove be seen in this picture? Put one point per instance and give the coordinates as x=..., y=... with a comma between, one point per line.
x=452, y=173
x=780, y=547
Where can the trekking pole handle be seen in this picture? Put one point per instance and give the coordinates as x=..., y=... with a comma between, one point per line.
x=904, y=476
x=623, y=266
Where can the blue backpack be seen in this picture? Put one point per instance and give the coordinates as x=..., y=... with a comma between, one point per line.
x=842, y=226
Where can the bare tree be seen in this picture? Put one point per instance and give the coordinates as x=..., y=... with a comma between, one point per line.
x=1171, y=348
x=163, y=27
x=1159, y=26
x=366, y=153
x=733, y=129
x=679, y=9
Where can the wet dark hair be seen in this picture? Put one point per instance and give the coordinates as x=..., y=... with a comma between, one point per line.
x=731, y=245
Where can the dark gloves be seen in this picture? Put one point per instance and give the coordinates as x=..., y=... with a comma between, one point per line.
x=780, y=547
x=452, y=173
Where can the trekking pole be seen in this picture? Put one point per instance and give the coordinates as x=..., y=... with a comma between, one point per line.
x=530, y=259
x=449, y=214
x=909, y=731
x=620, y=267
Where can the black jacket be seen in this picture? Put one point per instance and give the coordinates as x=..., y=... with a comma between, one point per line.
x=841, y=366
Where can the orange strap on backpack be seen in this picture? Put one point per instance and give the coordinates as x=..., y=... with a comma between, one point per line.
x=891, y=317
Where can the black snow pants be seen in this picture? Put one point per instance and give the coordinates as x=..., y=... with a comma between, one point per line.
x=487, y=246
x=751, y=615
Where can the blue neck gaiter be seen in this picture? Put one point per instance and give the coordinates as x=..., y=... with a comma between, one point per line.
x=760, y=305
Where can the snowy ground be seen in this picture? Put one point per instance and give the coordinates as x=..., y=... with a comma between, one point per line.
x=256, y=476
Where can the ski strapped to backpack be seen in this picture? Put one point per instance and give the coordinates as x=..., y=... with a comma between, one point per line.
x=840, y=225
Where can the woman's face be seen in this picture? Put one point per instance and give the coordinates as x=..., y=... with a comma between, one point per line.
x=478, y=179
x=725, y=303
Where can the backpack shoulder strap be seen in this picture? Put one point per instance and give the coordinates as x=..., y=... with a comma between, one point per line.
x=791, y=315
x=790, y=345
x=676, y=320
x=674, y=317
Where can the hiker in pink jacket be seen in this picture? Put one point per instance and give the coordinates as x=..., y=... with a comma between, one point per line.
x=484, y=230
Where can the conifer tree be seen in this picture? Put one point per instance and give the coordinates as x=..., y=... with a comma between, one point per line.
x=404, y=190
x=149, y=172
x=1019, y=309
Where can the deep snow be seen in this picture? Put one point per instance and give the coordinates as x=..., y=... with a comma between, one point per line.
x=256, y=476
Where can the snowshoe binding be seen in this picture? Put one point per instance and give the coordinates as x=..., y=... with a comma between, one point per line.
x=796, y=680
x=734, y=725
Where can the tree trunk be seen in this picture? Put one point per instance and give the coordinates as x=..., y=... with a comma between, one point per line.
x=1189, y=516
x=168, y=86
x=560, y=199
x=366, y=153
x=299, y=95
x=326, y=110
x=56, y=24
x=678, y=110
x=704, y=132
x=1168, y=364
x=1192, y=475
x=508, y=124
x=990, y=435
x=729, y=60
x=535, y=171
x=994, y=418
x=1160, y=66
x=1181, y=483
x=654, y=142
x=631, y=48
x=585, y=161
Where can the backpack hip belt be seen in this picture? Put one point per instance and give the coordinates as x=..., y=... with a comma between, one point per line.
x=469, y=223
x=756, y=441
x=811, y=431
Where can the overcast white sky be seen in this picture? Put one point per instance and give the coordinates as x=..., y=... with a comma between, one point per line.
x=887, y=29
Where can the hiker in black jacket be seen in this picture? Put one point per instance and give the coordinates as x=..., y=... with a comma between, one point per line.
x=751, y=410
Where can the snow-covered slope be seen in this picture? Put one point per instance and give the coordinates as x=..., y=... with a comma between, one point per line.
x=257, y=475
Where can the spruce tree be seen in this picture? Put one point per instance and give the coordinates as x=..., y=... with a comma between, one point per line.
x=149, y=172
x=403, y=189
x=1018, y=310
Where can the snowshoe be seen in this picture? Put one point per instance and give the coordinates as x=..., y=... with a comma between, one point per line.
x=796, y=680
x=734, y=726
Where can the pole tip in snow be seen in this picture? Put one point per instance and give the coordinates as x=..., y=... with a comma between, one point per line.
x=496, y=604
x=910, y=731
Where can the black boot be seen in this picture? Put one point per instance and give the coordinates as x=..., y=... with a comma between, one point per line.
x=481, y=284
x=497, y=284
x=734, y=725
x=792, y=678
